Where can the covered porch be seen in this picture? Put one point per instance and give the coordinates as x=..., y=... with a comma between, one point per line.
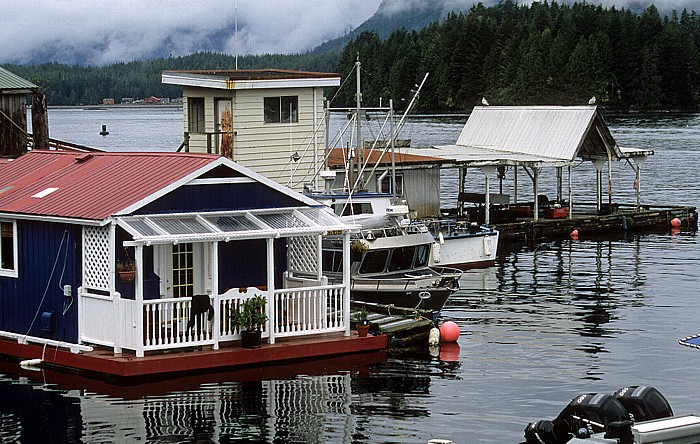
x=192, y=269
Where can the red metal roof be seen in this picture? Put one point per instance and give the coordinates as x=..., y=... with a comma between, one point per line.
x=336, y=158
x=89, y=185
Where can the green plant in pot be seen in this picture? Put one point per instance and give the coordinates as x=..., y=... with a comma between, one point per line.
x=126, y=269
x=362, y=323
x=249, y=318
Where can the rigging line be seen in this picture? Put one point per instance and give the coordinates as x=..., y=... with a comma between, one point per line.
x=341, y=85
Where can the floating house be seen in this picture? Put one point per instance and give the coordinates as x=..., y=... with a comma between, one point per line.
x=271, y=121
x=13, y=113
x=203, y=233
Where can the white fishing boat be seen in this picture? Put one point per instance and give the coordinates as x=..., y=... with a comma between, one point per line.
x=390, y=256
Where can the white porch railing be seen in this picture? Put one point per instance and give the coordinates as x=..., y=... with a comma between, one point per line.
x=162, y=324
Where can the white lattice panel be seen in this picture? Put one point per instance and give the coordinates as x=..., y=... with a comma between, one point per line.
x=302, y=254
x=96, y=254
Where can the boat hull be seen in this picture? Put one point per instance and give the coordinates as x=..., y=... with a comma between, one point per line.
x=410, y=299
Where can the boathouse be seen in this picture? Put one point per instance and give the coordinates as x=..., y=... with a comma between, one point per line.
x=271, y=121
x=200, y=230
x=530, y=139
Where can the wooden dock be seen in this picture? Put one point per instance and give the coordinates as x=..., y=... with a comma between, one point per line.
x=403, y=327
x=586, y=222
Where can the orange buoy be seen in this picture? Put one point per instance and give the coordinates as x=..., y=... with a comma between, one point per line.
x=449, y=332
x=675, y=222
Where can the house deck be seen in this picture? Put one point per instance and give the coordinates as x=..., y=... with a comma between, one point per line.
x=104, y=362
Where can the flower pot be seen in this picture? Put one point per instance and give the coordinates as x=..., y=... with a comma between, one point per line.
x=362, y=330
x=127, y=276
x=250, y=339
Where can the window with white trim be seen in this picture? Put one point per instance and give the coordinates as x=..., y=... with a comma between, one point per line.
x=8, y=248
x=281, y=109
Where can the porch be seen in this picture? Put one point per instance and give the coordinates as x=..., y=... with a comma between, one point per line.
x=168, y=307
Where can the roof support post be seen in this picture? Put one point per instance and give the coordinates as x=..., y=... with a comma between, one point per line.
x=488, y=171
x=346, y=282
x=271, y=303
x=214, y=269
x=560, y=173
x=462, y=174
x=599, y=164
x=138, y=257
x=638, y=161
x=571, y=196
x=535, y=180
x=515, y=185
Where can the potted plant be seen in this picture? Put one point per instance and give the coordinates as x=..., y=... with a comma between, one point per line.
x=249, y=316
x=126, y=269
x=362, y=324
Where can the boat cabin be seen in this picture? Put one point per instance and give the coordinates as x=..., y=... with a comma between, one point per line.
x=198, y=232
x=271, y=121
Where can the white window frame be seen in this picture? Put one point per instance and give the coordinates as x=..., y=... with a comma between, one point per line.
x=11, y=272
x=280, y=113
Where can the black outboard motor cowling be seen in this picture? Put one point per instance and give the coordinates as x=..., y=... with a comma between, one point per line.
x=643, y=403
x=592, y=411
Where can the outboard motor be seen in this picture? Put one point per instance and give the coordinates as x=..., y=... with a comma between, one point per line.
x=643, y=403
x=585, y=414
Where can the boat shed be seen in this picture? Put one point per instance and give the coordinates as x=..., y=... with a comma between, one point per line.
x=13, y=113
x=199, y=233
x=532, y=138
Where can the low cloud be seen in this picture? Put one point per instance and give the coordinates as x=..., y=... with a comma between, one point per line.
x=98, y=32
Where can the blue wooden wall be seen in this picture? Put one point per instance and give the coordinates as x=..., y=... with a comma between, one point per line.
x=222, y=197
x=49, y=258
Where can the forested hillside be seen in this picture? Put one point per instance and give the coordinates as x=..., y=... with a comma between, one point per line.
x=537, y=54
x=511, y=54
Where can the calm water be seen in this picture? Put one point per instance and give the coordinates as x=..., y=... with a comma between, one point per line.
x=548, y=322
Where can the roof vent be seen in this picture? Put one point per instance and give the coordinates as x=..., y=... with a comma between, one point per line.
x=44, y=193
x=83, y=157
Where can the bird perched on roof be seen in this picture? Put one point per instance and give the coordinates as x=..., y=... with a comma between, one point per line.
x=592, y=101
x=484, y=101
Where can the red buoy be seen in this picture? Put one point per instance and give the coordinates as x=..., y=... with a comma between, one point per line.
x=574, y=233
x=675, y=222
x=449, y=332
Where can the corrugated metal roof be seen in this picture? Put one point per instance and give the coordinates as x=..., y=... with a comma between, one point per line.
x=555, y=132
x=10, y=81
x=90, y=186
x=532, y=135
x=336, y=158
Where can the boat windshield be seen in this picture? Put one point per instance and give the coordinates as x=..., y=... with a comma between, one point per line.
x=374, y=261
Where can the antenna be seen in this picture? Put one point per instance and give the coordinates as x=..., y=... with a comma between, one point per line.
x=235, y=24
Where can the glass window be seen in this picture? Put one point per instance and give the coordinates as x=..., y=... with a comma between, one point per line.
x=332, y=260
x=386, y=185
x=281, y=109
x=8, y=248
x=422, y=255
x=402, y=258
x=374, y=261
x=183, y=270
x=195, y=114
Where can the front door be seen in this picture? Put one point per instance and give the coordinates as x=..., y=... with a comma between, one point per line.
x=182, y=265
x=224, y=126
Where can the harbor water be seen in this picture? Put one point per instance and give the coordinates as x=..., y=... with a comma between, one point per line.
x=549, y=321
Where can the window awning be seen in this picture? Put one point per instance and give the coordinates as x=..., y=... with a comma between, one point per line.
x=231, y=225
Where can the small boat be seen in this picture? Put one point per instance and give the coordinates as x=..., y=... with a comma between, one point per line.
x=633, y=414
x=462, y=244
x=390, y=256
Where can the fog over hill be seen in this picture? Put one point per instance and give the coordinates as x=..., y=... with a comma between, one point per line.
x=101, y=32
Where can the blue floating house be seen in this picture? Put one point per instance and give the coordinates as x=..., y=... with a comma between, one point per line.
x=199, y=233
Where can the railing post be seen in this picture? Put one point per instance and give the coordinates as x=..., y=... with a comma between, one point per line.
x=139, y=300
x=216, y=325
x=346, y=281
x=271, y=301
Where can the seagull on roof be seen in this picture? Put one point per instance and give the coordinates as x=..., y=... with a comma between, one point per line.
x=592, y=101
x=484, y=101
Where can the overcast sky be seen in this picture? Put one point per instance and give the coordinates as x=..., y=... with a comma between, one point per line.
x=99, y=32
x=105, y=31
